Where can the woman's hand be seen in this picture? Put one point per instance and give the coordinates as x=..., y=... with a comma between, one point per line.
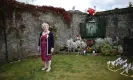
x=52, y=50
x=38, y=48
x=47, y=35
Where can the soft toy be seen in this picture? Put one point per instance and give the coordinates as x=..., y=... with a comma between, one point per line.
x=91, y=11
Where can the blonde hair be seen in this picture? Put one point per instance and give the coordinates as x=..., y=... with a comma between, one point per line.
x=45, y=24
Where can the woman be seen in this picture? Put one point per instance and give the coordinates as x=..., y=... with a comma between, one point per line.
x=46, y=46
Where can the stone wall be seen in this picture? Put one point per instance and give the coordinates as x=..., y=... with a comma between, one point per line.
x=119, y=23
x=77, y=18
x=2, y=39
x=25, y=26
x=24, y=29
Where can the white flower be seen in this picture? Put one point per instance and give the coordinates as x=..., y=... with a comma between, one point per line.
x=126, y=70
x=69, y=44
x=125, y=61
x=124, y=66
x=78, y=42
x=119, y=58
x=93, y=52
x=113, y=63
x=132, y=68
x=83, y=44
x=74, y=45
x=99, y=41
x=108, y=62
x=108, y=40
x=129, y=66
x=117, y=63
x=120, y=49
x=84, y=51
x=120, y=62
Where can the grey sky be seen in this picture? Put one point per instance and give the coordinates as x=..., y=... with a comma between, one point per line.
x=81, y=5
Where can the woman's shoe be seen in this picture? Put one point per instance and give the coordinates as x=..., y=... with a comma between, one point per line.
x=48, y=69
x=44, y=68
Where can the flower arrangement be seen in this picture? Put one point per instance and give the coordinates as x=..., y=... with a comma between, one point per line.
x=106, y=47
x=122, y=65
x=90, y=42
x=89, y=50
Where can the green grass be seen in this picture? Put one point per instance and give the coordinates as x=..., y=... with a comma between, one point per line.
x=64, y=67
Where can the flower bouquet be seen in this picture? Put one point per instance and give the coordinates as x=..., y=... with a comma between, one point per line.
x=88, y=50
x=127, y=70
x=116, y=65
x=120, y=64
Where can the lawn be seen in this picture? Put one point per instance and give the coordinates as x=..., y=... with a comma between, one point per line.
x=64, y=67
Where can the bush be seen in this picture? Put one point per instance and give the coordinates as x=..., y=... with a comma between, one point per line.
x=105, y=47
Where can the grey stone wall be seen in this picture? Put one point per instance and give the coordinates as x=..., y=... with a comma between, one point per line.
x=117, y=24
x=2, y=47
x=2, y=39
x=23, y=33
x=77, y=18
x=25, y=26
x=120, y=26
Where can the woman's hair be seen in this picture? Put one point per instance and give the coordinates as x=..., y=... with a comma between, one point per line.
x=44, y=24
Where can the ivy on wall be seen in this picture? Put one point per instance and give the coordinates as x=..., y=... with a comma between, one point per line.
x=12, y=4
x=53, y=29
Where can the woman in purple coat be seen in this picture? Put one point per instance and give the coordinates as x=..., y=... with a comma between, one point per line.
x=46, y=46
